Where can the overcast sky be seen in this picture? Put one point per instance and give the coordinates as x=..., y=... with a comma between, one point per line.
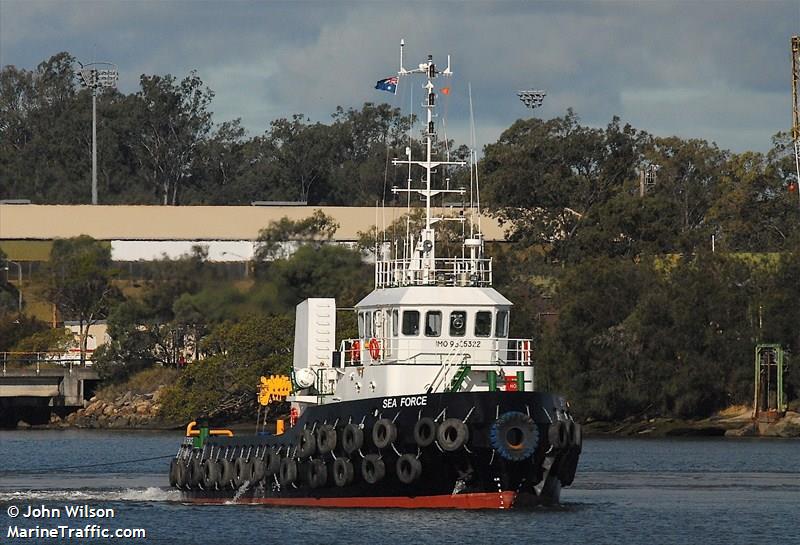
x=717, y=70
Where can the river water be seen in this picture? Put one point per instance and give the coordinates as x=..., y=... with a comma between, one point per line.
x=652, y=491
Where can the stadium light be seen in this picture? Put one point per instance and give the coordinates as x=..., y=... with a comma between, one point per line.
x=532, y=98
x=94, y=76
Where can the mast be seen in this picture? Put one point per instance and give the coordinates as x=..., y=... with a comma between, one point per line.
x=426, y=246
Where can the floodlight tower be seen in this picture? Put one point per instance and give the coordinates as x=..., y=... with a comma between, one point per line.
x=532, y=98
x=94, y=76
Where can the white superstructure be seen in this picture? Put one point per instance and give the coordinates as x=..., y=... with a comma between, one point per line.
x=432, y=324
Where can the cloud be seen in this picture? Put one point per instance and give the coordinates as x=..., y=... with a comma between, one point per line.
x=714, y=69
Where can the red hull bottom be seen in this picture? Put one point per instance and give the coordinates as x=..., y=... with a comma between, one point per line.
x=478, y=500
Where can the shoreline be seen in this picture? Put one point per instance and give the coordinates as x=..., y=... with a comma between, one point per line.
x=787, y=427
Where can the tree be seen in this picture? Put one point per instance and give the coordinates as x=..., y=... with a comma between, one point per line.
x=547, y=179
x=174, y=121
x=79, y=282
x=273, y=240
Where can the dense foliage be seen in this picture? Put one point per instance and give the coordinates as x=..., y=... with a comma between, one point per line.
x=641, y=302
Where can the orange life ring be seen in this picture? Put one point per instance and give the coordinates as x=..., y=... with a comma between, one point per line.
x=355, y=351
x=374, y=348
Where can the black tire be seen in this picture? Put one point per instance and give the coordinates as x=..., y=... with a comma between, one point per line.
x=352, y=438
x=173, y=472
x=228, y=474
x=195, y=477
x=181, y=474
x=408, y=468
x=258, y=470
x=343, y=472
x=288, y=472
x=372, y=468
x=384, y=433
x=308, y=444
x=212, y=475
x=272, y=463
x=452, y=434
x=326, y=438
x=514, y=436
x=557, y=435
x=424, y=432
x=316, y=473
x=576, y=436
x=568, y=467
x=242, y=471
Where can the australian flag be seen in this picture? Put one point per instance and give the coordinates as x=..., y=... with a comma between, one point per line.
x=388, y=84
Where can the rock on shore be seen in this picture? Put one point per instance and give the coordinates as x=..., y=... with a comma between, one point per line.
x=130, y=411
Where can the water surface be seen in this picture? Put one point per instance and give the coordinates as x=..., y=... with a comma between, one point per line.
x=741, y=491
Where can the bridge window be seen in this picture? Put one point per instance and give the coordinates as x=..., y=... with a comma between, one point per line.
x=483, y=324
x=361, y=325
x=395, y=322
x=458, y=323
x=501, y=327
x=368, y=324
x=411, y=322
x=433, y=324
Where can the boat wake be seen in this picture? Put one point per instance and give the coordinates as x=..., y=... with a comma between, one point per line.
x=148, y=494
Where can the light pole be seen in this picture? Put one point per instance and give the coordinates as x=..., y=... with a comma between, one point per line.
x=95, y=76
x=19, y=282
x=246, y=262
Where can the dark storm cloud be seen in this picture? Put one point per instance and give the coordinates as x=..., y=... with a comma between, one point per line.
x=715, y=70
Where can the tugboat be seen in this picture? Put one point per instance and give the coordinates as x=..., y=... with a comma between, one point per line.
x=432, y=406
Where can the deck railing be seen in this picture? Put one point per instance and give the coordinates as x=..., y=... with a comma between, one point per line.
x=437, y=351
x=450, y=271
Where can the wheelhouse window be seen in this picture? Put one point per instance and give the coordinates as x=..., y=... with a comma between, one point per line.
x=433, y=324
x=361, y=325
x=395, y=323
x=368, y=324
x=411, y=322
x=501, y=326
x=458, y=323
x=483, y=324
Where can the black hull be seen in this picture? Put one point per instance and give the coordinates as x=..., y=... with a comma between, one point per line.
x=476, y=474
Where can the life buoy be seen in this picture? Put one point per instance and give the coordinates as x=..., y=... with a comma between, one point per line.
x=384, y=433
x=514, y=436
x=372, y=468
x=452, y=434
x=355, y=351
x=526, y=351
x=408, y=468
x=374, y=348
x=342, y=471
